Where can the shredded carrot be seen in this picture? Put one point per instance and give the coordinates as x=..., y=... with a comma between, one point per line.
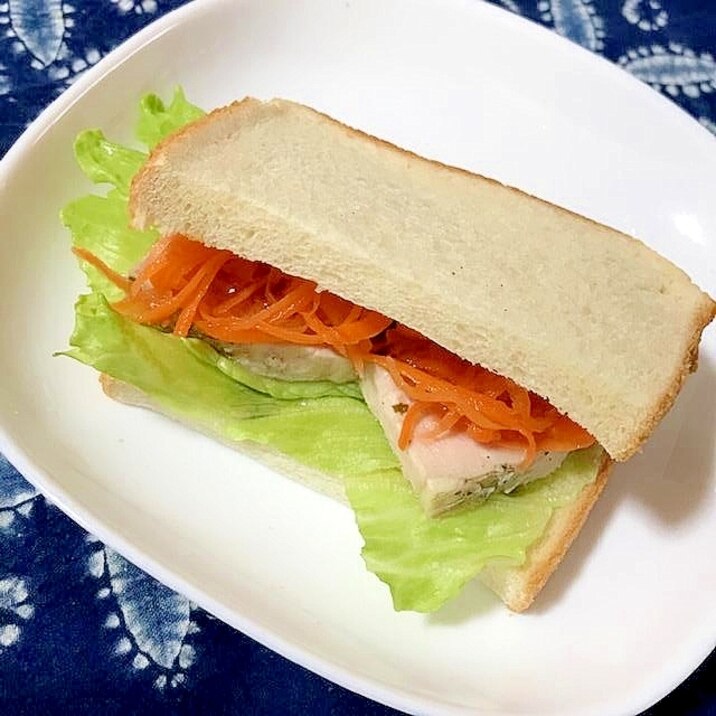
x=490, y=408
x=187, y=286
x=117, y=279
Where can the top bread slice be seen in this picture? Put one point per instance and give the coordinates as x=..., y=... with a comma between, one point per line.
x=586, y=316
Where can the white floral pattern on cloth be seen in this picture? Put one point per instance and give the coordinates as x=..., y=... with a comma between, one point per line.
x=577, y=20
x=510, y=5
x=45, y=45
x=674, y=69
x=708, y=123
x=68, y=68
x=153, y=624
x=17, y=496
x=647, y=15
x=38, y=27
x=138, y=6
x=15, y=609
x=4, y=81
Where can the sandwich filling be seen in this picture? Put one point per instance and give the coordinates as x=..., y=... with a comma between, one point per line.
x=459, y=430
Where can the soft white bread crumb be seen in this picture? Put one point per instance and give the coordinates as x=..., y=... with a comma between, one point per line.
x=588, y=317
x=516, y=586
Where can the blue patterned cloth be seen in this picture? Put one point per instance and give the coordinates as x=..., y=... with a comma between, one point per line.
x=82, y=631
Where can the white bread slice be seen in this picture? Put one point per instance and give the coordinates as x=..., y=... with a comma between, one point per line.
x=581, y=314
x=516, y=586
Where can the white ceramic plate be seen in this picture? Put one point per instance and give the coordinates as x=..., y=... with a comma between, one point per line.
x=631, y=612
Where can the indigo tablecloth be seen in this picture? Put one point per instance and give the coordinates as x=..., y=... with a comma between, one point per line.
x=82, y=631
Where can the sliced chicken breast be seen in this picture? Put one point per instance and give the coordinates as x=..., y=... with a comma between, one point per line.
x=449, y=470
x=291, y=362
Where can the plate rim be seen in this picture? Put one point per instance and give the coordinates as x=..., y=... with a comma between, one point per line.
x=35, y=474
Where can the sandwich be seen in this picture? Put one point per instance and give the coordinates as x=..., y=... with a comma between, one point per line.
x=459, y=361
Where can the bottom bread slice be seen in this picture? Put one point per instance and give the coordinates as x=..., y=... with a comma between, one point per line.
x=516, y=586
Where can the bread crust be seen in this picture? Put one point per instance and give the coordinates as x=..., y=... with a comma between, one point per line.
x=637, y=433
x=137, y=216
x=516, y=586
x=666, y=401
x=519, y=586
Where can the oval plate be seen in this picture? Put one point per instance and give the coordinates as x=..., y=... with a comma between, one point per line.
x=621, y=623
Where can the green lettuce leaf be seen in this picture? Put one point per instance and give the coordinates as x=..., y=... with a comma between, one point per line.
x=101, y=225
x=156, y=120
x=334, y=434
x=105, y=162
x=425, y=561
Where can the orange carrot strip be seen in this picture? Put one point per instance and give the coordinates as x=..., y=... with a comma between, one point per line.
x=209, y=271
x=237, y=299
x=117, y=279
x=415, y=413
x=446, y=423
